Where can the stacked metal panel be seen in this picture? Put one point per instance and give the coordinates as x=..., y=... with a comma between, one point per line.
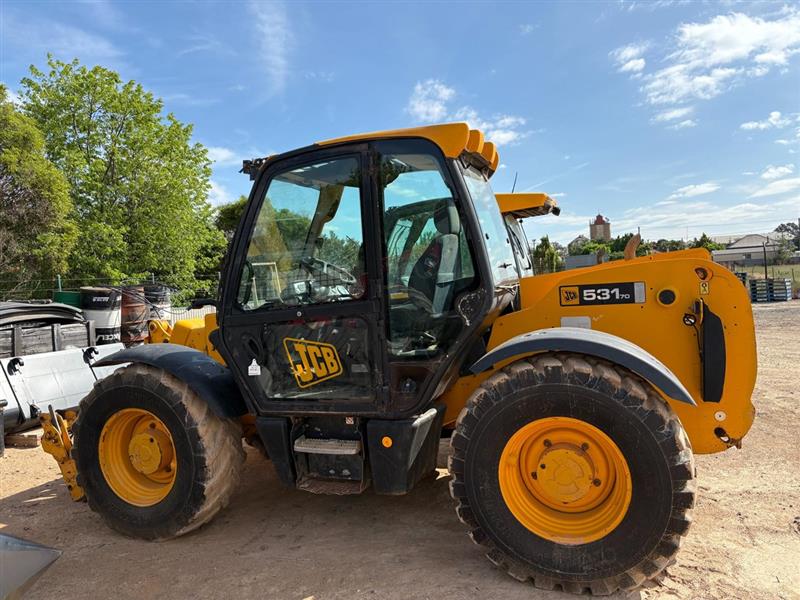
x=781, y=290
x=770, y=290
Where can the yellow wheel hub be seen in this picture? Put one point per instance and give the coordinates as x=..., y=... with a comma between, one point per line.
x=137, y=457
x=565, y=480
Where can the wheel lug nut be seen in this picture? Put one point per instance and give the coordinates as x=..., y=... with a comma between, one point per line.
x=596, y=482
x=533, y=475
x=547, y=443
x=584, y=446
x=542, y=466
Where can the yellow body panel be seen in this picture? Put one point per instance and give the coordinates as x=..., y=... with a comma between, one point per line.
x=452, y=138
x=657, y=328
x=192, y=333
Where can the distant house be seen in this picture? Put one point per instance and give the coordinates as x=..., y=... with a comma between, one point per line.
x=750, y=249
x=575, y=245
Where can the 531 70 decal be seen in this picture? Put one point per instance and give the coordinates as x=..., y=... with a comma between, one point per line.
x=632, y=292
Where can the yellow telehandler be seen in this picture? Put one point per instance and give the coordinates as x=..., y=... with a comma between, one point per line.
x=378, y=295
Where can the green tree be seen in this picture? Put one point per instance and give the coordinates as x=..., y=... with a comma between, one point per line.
x=706, y=242
x=35, y=233
x=546, y=258
x=228, y=216
x=138, y=183
x=664, y=245
x=793, y=229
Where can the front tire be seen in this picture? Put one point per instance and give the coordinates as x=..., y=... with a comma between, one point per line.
x=610, y=511
x=153, y=459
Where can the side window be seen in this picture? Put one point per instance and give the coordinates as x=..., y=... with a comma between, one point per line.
x=307, y=243
x=428, y=262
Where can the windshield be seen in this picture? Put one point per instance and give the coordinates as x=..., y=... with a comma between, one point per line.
x=495, y=235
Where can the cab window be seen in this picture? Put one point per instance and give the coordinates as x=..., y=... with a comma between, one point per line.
x=307, y=242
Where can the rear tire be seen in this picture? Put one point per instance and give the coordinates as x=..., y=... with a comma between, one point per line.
x=574, y=388
x=207, y=450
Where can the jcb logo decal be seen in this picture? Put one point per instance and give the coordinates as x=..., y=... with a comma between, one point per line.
x=312, y=362
x=570, y=295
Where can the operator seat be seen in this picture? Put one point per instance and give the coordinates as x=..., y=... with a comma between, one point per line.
x=437, y=269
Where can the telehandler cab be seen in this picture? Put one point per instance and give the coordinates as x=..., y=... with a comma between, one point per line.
x=378, y=295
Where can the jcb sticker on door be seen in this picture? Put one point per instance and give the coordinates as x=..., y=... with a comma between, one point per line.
x=312, y=362
x=602, y=293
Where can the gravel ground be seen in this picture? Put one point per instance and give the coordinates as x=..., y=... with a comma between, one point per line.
x=274, y=542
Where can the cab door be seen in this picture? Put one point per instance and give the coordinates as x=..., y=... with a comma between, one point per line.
x=302, y=324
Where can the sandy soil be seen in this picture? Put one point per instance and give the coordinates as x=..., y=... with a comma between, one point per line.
x=274, y=542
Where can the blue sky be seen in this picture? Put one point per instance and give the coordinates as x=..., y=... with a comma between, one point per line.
x=675, y=117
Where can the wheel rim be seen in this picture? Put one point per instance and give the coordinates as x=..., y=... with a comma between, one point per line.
x=137, y=457
x=565, y=480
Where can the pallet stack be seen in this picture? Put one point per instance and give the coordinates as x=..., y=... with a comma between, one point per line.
x=770, y=290
x=781, y=290
x=759, y=290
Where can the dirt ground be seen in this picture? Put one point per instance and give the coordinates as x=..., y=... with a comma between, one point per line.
x=273, y=542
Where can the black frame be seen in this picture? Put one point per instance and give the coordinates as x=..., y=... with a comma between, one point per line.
x=376, y=302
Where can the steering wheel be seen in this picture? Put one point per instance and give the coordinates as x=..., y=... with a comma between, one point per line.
x=416, y=297
x=327, y=273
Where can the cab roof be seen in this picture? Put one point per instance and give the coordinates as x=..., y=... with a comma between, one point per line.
x=523, y=205
x=452, y=138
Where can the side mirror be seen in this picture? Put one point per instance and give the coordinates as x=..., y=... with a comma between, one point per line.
x=196, y=303
x=247, y=283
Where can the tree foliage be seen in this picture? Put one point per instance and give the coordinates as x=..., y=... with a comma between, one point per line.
x=228, y=216
x=706, y=242
x=138, y=183
x=35, y=232
x=793, y=229
x=546, y=257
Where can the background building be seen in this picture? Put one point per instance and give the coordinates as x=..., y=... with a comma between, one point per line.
x=600, y=228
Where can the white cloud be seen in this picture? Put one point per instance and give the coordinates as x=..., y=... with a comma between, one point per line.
x=13, y=97
x=684, y=124
x=526, y=28
x=218, y=194
x=777, y=172
x=674, y=114
x=633, y=66
x=708, y=58
x=431, y=100
x=62, y=41
x=629, y=58
x=223, y=157
x=779, y=186
x=428, y=101
x=276, y=40
x=203, y=43
x=697, y=189
x=774, y=121
x=502, y=129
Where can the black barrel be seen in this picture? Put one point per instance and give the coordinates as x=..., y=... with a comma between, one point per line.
x=158, y=299
x=102, y=305
x=133, y=327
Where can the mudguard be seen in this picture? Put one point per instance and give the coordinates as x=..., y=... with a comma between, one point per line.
x=204, y=376
x=593, y=343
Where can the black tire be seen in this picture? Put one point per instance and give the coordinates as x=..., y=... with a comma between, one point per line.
x=625, y=408
x=208, y=450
